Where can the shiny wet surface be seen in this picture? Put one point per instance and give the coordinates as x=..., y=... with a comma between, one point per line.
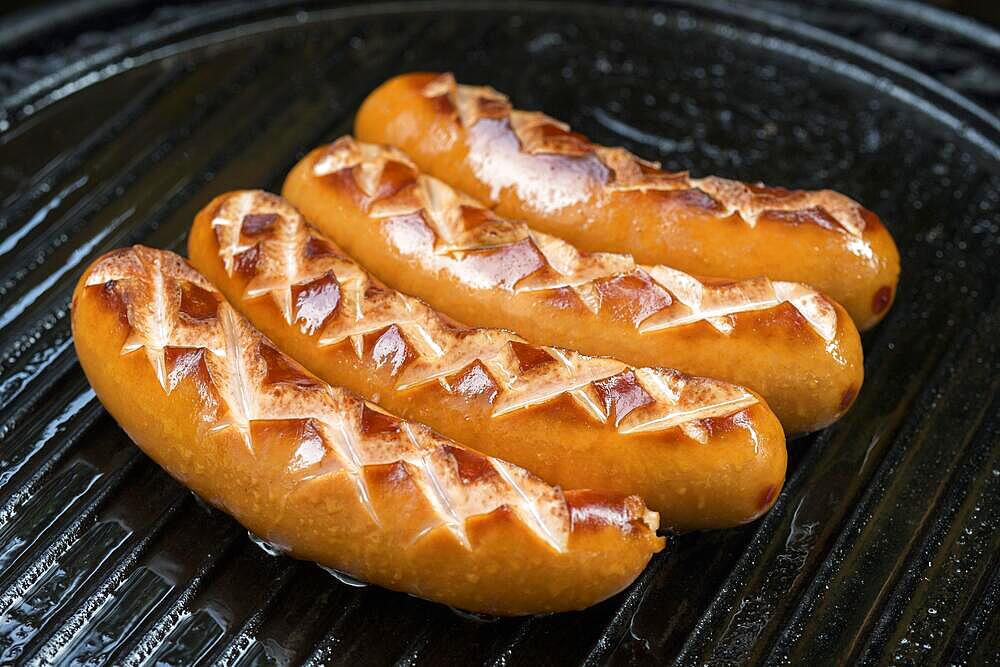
x=883, y=545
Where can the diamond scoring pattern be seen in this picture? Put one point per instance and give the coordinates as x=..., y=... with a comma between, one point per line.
x=539, y=133
x=152, y=283
x=442, y=350
x=685, y=299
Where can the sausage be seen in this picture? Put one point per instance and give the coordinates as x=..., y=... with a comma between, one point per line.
x=789, y=343
x=328, y=476
x=702, y=453
x=533, y=168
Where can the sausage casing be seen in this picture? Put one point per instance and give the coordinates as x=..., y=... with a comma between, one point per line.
x=702, y=453
x=786, y=341
x=327, y=475
x=533, y=168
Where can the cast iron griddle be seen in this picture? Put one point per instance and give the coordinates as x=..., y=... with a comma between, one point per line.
x=120, y=121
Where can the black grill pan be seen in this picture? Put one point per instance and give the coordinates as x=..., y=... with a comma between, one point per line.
x=120, y=119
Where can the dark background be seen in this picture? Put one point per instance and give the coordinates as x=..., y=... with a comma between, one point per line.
x=78, y=25
x=884, y=546
x=984, y=10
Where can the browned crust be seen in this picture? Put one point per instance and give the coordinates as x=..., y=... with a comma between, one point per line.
x=262, y=388
x=415, y=346
x=508, y=255
x=539, y=134
x=282, y=441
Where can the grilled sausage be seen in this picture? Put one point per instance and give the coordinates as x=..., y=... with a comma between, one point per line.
x=327, y=475
x=789, y=343
x=702, y=453
x=533, y=168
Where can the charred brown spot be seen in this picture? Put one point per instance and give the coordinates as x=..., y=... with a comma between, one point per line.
x=317, y=247
x=690, y=198
x=255, y=224
x=302, y=443
x=562, y=298
x=198, y=303
x=488, y=107
x=506, y=265
x=621, y=394
x=632, y=296
x=390, y=483
x=717, y=427
x=183, y=363
x=472, y=467
x=373, y=421
x=112, y=299
x=882, y=299
x=441, y=105
x=849, y=395
x=395, y=177
x=503, y=515
x=316, y=301
x=391, y=350
x=872, y=221
x=475, y=382
x=280, y=430
x=594, y=510
x=529, y=356
x=186, y=363
x=813, y=215
x=282, y=370
x=245, y=262
x=343, y=180
x=474, y=216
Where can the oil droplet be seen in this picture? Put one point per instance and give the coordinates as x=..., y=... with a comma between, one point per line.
x=267, y=547
x=343, y=578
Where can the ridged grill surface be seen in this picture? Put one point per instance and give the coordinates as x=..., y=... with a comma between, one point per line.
x=118, y=124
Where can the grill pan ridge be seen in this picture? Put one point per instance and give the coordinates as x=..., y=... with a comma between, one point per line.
x=119, y=119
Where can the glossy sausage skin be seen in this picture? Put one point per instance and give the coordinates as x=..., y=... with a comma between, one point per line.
x=787, y=342
x=533, y=168
x=702, y=453
x=326, y=475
